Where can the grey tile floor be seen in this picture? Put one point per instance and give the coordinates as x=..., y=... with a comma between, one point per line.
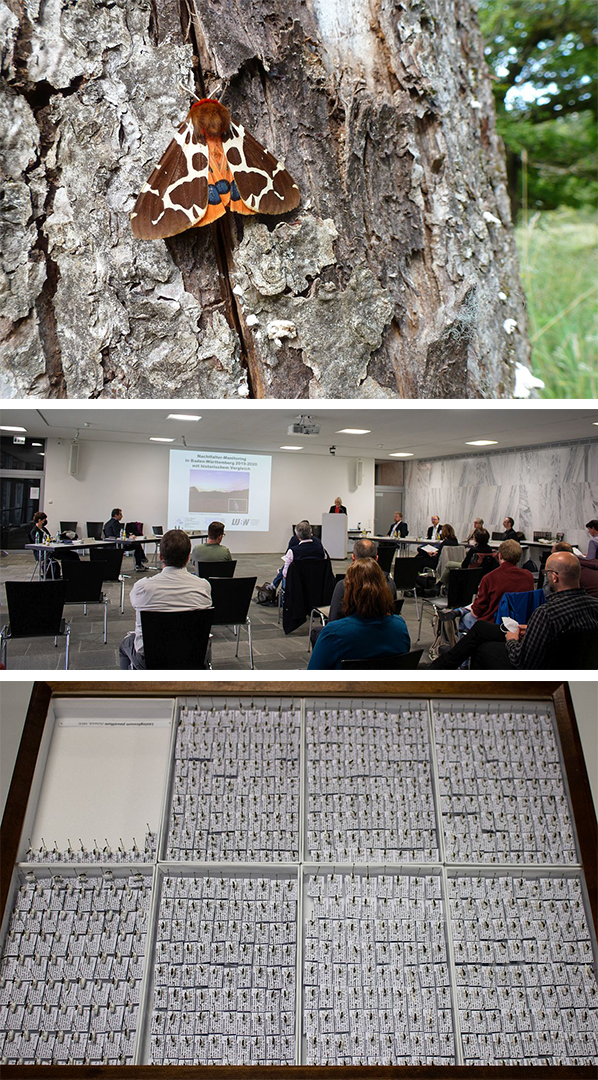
x=273, y=650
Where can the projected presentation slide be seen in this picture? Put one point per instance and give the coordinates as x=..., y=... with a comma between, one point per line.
x=207, y=486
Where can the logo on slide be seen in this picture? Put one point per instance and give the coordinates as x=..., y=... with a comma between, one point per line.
x=218, y=491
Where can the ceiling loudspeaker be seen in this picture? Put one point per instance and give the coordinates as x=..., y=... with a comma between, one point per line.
x=74, y=459
x=358, y=472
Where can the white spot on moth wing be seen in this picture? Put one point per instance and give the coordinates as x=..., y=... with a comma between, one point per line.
x=487, y=216
x=509, y=326
x=525, y=382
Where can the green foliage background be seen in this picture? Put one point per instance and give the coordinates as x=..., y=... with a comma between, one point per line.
x=542, y=56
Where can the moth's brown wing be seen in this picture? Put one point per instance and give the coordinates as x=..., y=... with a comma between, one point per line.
x=175, y=197
x=262, y=183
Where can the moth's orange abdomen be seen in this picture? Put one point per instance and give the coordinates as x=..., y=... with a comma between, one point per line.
x=210, y=117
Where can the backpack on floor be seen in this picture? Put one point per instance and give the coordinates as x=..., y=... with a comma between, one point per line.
x=266, y=594
x=445, y=635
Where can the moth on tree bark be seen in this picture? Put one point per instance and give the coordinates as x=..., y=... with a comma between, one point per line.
x=395, y=277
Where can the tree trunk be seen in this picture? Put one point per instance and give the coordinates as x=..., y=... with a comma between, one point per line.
x=397, y=276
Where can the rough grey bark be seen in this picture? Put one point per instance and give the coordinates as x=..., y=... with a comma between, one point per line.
x=398, y=275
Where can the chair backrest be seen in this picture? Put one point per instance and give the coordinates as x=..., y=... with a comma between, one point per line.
x=406, y=571
x=385, y=554
x=158, y=530
x=231, y=598
x=462, y=586
x=214, y=569
x=399, y=605
x=498, y=535
x=134, y=528
x=83, y=581
x=456, y=553
x=95, y=529
x=111, y=557
x=394, y=662
x=68, y=526
x=575, y=649
x=35, y=607
x=176, y=640
x=520, y=605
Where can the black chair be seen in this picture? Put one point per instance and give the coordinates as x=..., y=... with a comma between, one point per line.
x=84, y=582
x=68, y=526
x=216, y=569
x=95, y=529
x=385, y=556
x=176, y=640
x=575, y=649
x=35, y=609
x=231, y=598
x=394, y=662
x=462, y=587
x=405, y=575
x=112, y=558
x=309, y=584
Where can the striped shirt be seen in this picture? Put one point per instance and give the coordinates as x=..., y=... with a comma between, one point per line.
x=571, y=609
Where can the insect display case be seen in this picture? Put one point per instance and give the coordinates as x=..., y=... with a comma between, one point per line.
x=297, y=875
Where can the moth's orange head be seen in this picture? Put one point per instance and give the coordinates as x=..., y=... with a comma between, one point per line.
x=209, y=117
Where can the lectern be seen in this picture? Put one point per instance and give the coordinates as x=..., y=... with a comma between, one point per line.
x=334, y=535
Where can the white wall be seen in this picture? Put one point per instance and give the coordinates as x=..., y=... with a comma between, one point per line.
x=135, y=477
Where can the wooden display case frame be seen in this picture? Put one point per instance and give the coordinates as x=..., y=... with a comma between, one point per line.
x=581, y=800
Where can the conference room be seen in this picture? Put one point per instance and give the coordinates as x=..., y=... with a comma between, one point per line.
x=288, y=537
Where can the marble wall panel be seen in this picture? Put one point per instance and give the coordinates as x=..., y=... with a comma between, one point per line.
x=554, y=488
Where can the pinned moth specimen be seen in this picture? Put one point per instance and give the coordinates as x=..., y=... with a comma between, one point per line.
x=211, y=165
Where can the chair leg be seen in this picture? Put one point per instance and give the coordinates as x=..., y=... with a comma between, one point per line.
x=105, y=619
x=421, y=612
x=85, y=609
x=251, y=664
x=3, y=644
x=122, y=596
x=67, y=632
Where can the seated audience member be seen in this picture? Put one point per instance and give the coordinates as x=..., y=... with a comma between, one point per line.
x=362, y=549
x=480, y=556
x=40, y=532
x=337, y=506
x=509, y=533
x=434, y=529
x=478, y=523
x=213, y=550
x=588, y=567
x=369, y=626
x=592, y=527
x=291, y=544
x=112, y=531
x=447, y=538
x=308, y=547
x=508, y=577
x=568, y=608
x=171, y=590
x=399, y=527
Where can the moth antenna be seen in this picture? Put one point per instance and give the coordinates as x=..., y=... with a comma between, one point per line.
x=188, y=93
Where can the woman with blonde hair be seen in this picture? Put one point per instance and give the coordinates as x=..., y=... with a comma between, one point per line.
x=369, y=626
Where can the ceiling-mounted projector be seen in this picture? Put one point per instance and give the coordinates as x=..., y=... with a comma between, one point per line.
x=303, y=425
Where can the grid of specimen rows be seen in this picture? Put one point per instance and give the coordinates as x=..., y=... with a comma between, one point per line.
x=224, y=982
x=236, y=786
x=387, y=793
x=71, y=969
